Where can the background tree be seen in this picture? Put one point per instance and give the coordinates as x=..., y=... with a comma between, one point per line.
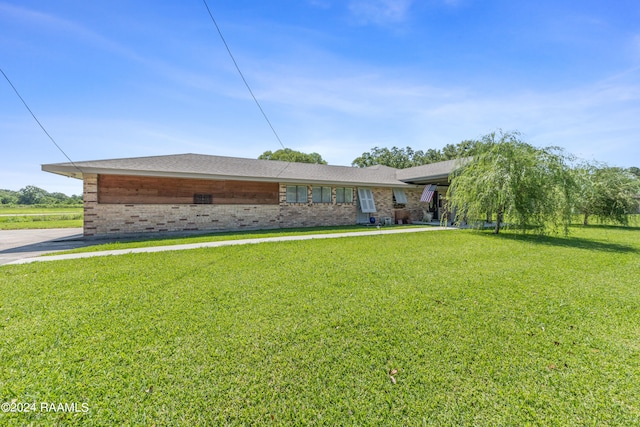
x=635, y=171
x=32, y=195
x=289, y=155
x=607, y=193
x=528, y=186
x=460, y=150
x=8, y=197
x=395, y=157
x=401, y=158
x=430, y=156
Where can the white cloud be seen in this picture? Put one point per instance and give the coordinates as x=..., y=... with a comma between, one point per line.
x=15, y=13
x=380, y=12
x=55, y=25
x=357, y=108
x=337, y=106
x=592, y=121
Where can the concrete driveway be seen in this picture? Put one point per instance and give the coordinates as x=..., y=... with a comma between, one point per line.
x=18, y=244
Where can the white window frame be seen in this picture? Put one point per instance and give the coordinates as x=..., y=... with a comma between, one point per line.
x=365, y=197
x=347, y=195
x=400, y=196
x=321, y=194
x=299, y=197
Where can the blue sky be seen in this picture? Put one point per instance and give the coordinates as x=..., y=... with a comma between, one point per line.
x=120, y=78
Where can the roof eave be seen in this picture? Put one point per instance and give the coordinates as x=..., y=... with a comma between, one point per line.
x=75, y=172
x=68, y=171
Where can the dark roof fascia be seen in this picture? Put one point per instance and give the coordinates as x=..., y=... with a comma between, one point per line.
x=431, y=179
x=422, y=173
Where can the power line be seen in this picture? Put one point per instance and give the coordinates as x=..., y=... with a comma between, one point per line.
x=36, y=119
x=240, y=72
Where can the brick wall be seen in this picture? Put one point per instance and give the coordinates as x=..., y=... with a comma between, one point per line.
x=383, y=198
x=315, y=214
x=127, y=189
x=113, y=219
x=146, y=218
x=415, y=207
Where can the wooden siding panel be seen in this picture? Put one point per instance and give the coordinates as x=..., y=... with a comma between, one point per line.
x=121, y=189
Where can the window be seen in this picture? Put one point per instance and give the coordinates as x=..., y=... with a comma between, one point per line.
x=297, y=194
x=367, y=204
x=202, y=199
x=344, y=195
x=399, y=197
x=321, y=194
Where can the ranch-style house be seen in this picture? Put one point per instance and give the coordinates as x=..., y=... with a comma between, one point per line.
x=194, y=192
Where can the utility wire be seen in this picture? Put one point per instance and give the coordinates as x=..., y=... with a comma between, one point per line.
x=240, y=72
x=38, y=121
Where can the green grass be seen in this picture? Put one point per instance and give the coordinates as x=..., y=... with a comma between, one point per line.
x=483, y=330
x=40, y=222
x=17, y=218
x=28, y=209
x=145, y=242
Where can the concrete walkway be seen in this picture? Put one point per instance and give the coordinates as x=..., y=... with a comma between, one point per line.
x=18, y=244
x=226, y=243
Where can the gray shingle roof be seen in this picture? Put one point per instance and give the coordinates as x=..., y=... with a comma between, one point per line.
x=235, y=168
x=429, y=173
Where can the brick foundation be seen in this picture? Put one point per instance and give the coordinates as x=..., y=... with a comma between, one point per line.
x=133, y=218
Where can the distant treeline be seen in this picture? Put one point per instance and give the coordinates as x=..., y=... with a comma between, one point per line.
x=31, y=195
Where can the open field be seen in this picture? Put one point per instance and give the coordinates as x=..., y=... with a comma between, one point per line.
x=21, y=210
x=17, y=218
x=441, y=328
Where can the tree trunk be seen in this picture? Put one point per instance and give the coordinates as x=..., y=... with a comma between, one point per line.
x=498, y=222
x=586, y=219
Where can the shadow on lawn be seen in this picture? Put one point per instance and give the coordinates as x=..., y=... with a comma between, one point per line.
x=609, y=227
x=567, y=242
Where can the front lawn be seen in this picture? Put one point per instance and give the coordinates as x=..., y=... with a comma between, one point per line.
x=439, y=328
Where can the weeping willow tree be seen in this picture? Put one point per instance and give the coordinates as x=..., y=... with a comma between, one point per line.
x=607, y=193
x=529, y=187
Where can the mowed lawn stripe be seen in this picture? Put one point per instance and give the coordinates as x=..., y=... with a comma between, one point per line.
x=439, y=328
